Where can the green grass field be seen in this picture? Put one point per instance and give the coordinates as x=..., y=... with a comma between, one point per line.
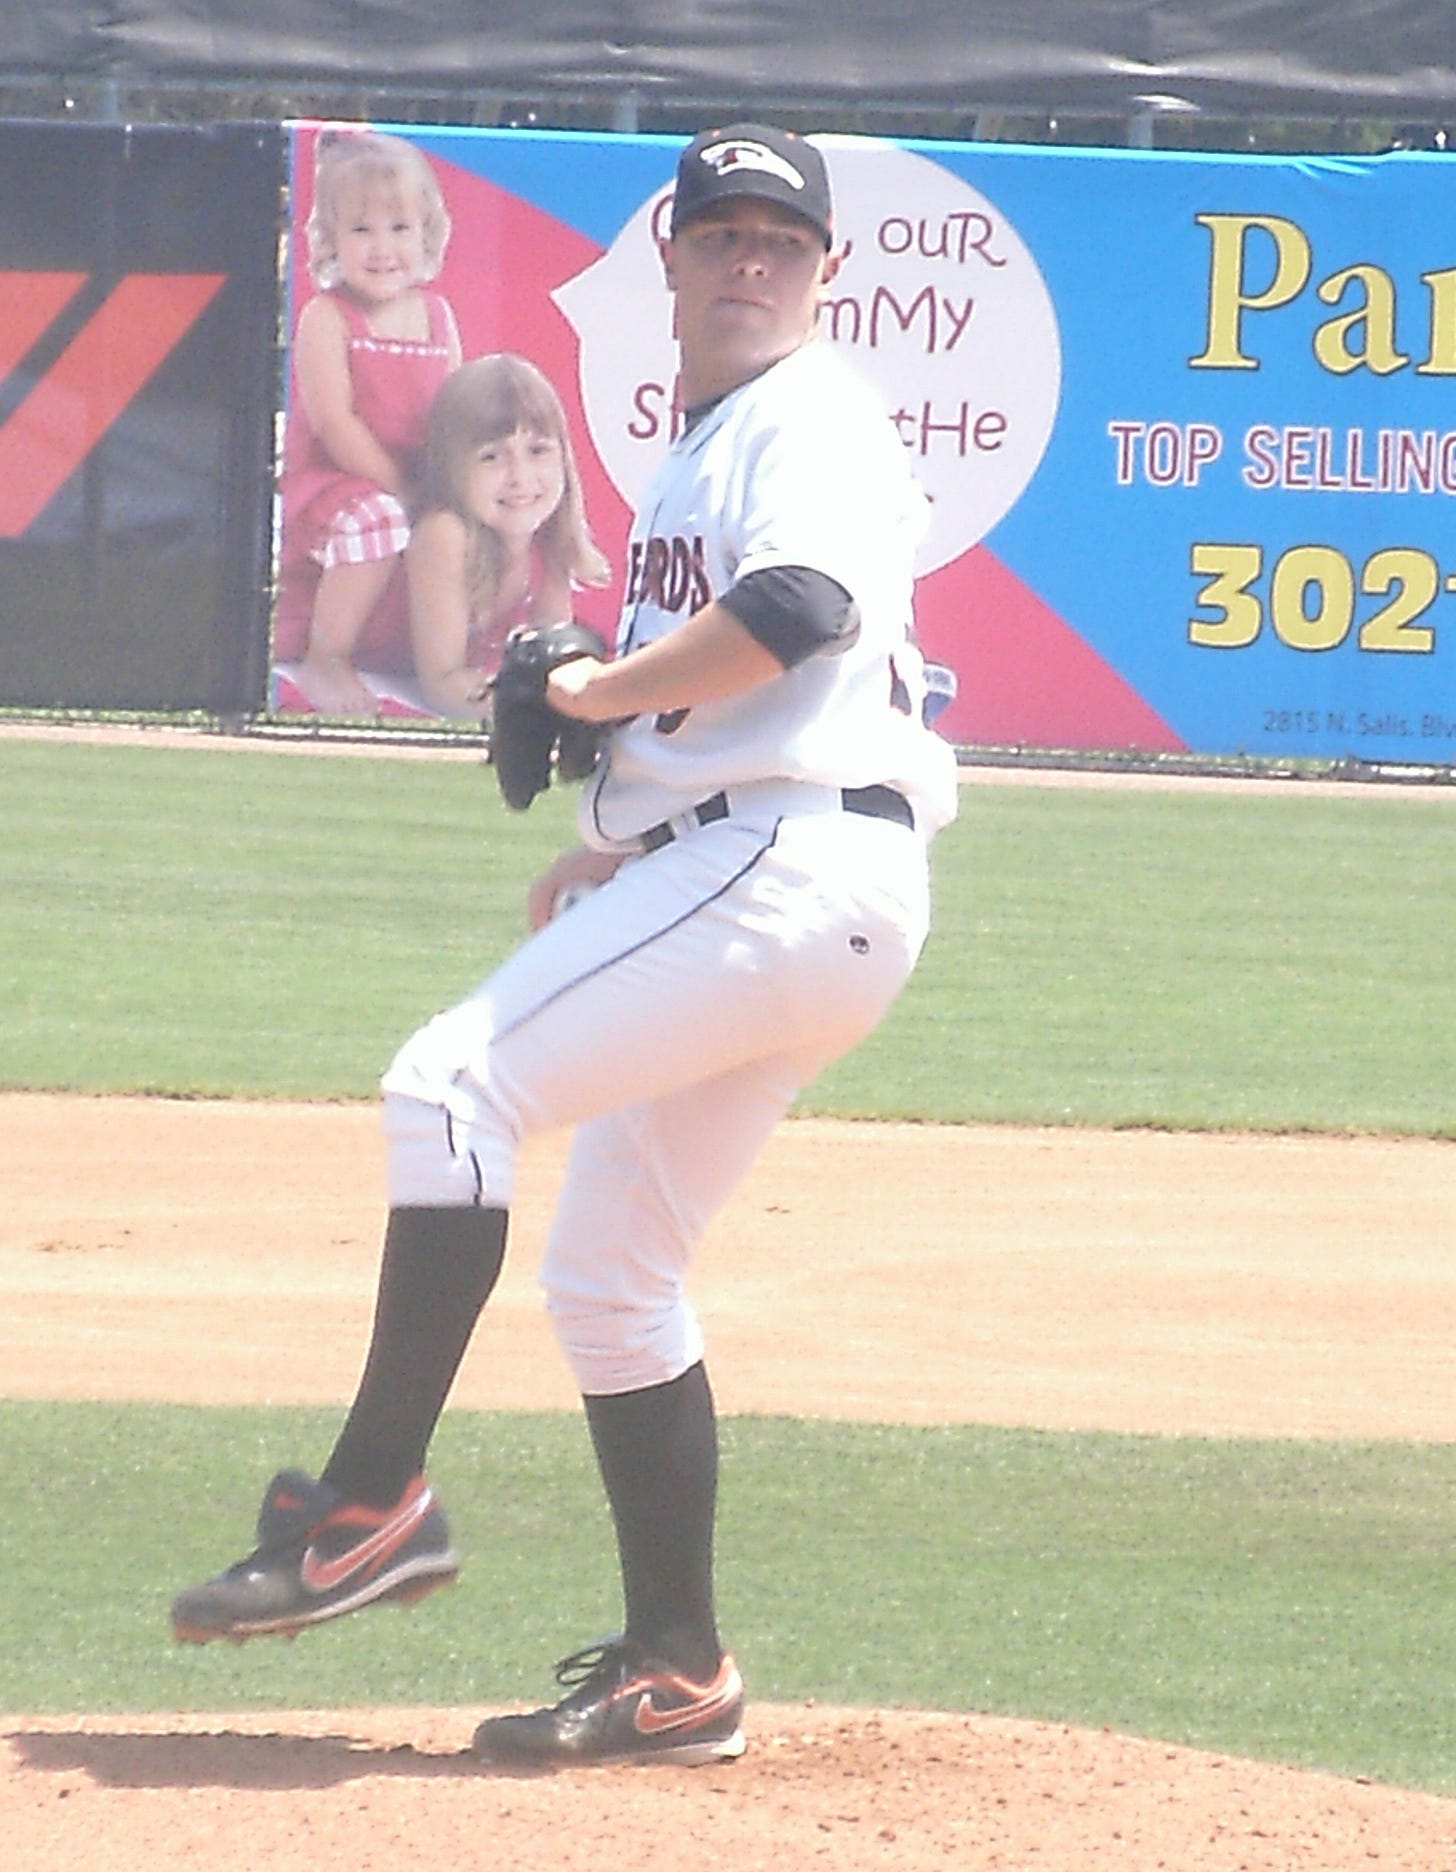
x=1277, y=1599
x=210, y=922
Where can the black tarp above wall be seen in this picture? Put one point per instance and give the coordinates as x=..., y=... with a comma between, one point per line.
x=138, y=384
x=1235, y=57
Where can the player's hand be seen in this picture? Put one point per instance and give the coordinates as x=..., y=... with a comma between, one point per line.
x=580, y=867
x=567, y=687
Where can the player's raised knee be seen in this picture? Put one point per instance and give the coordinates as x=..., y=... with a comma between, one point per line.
x=613, y=1348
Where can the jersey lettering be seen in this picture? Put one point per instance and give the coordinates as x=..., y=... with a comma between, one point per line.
x=671, y=574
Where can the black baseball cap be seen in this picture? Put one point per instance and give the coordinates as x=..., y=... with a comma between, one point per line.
x=755, y=160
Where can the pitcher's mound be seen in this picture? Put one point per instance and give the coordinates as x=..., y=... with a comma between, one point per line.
x=396, y=1791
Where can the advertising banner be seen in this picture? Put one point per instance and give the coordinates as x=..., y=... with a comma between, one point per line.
x=138, y=390
x=1186, y=422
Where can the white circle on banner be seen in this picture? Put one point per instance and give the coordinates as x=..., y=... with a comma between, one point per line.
x=938, y=301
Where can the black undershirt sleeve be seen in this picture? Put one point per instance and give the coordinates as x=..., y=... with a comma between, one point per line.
x=794, y=612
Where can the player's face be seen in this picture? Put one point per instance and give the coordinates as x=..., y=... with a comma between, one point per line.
x=515, y=483
x=380, y=243
x=746, y=278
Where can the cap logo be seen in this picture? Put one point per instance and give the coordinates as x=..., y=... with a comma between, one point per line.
x=724, y=158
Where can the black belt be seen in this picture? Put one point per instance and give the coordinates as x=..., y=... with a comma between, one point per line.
x=875, y=802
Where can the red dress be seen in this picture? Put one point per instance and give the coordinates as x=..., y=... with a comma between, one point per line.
x=394, y=381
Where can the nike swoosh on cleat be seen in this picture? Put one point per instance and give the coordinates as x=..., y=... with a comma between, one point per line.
x=649, y=1720
x=318, y=1575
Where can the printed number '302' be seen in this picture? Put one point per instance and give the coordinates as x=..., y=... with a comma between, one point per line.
x=1311, y=599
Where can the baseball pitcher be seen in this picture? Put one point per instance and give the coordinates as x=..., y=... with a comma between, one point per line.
x=748, y=896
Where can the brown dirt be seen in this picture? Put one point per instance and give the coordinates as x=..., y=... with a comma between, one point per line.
x=154, y=1249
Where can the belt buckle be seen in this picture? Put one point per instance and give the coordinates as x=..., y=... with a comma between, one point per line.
x=707, y=812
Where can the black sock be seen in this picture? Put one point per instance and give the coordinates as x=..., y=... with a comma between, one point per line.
x=437, y=1272
x=657, y=1450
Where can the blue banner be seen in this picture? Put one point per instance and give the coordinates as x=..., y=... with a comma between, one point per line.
x=1186, y=422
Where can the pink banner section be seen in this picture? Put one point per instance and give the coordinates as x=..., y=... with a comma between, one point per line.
x=1020, y=661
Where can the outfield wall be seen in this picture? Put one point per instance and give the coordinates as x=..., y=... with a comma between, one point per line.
x=138, y=383
x=1186, y=421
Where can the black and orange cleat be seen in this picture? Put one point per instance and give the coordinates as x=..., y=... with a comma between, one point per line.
x=622, y=1706
x=317, y=1557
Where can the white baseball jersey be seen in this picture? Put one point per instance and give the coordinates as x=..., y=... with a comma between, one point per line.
x=800, y=466
x=672, y=1014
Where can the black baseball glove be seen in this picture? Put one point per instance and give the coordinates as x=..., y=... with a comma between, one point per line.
x=527, y=736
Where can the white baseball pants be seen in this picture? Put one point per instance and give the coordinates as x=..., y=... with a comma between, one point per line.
x=671, y=1016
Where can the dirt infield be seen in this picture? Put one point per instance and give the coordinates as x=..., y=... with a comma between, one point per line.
x=160, y=1249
